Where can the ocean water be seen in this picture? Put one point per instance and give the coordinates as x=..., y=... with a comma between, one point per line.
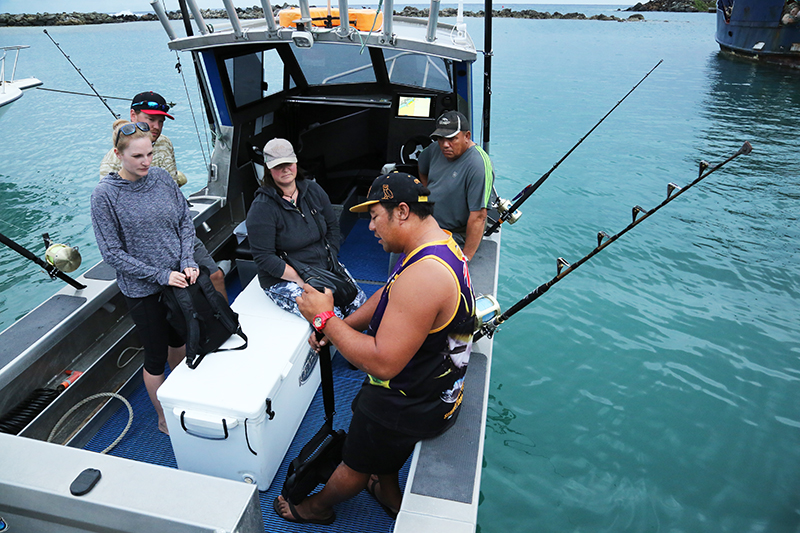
x=657, y=387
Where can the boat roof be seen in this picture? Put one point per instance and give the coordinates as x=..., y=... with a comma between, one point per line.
x=409, y=34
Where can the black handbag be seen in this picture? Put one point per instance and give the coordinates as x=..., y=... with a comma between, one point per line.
x=335, y=277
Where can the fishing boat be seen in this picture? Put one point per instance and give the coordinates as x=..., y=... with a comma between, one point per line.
x=12, y=89
x=763, y=30
x=356, y=96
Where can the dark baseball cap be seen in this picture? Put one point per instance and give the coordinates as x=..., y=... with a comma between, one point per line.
x=394, y=188
x=151, y=103
x=449, y=124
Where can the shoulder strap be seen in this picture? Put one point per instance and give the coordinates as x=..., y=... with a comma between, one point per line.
x=326, y=373
x=225, y=315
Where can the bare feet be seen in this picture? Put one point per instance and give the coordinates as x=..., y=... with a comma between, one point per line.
x=300, y=514
x=374, y=488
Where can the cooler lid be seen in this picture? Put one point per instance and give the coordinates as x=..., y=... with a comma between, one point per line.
x=237, y=383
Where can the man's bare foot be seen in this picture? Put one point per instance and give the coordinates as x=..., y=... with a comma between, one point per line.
x=286, y=510
x=162, y=427
x=374, y=488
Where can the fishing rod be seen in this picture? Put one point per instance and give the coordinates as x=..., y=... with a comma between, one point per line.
x=673, y=191
x=81, y=74
x=509, y=212
x=53, y=253
x=83, y=94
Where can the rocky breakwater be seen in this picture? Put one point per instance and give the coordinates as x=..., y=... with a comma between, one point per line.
x=509, y=13
x=68, y=19
x=685, y=6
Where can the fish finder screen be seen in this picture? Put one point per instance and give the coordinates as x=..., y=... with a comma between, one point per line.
x=414, y=106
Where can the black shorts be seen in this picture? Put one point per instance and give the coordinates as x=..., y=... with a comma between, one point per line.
x=155, y=333
x=372, y=449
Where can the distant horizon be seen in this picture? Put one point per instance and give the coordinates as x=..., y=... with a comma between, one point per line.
x=139, y=6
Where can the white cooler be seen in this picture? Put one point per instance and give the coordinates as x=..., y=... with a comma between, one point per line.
x=235, y=415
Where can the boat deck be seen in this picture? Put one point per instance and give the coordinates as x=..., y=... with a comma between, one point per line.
x=145, y=443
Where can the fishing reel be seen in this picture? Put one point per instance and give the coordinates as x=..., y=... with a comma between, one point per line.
x=504, y=207
x=61, y=256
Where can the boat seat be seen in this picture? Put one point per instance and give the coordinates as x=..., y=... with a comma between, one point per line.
x=454, y=454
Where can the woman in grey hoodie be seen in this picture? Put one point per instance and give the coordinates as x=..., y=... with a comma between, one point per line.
x=145, y=232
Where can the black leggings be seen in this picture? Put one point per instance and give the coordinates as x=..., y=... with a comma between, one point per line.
x=155, y=333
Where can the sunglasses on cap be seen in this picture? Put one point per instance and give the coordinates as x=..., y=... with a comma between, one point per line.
x=130, y=129
x=152, y=105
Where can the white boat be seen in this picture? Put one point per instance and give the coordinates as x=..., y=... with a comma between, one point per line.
x=11, y=90
x=352, y=100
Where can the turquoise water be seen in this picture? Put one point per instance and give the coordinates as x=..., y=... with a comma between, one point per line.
x=655, y=388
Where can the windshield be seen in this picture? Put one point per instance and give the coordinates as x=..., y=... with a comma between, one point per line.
x=333, y=64
x=419, y=70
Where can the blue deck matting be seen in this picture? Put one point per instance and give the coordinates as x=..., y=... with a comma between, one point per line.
x=145, y=443
x=363, y=256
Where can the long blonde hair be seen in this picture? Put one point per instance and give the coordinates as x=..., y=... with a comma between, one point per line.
x=120, y=141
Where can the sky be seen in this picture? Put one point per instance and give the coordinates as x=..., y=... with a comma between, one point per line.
x=115, y=6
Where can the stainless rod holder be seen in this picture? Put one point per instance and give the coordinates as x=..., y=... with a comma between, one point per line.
x=344, y=18
x=388, y=19
x=233, y=17
x=199, y=21
x=163, y=19
x=305, y=14
x=433, y=20
x=269, y=16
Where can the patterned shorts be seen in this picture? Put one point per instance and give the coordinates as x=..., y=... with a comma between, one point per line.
x=284, y=293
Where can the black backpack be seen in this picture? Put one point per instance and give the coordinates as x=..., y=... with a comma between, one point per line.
x=202, y=316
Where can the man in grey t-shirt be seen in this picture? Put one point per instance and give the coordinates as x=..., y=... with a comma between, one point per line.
x=460, y=177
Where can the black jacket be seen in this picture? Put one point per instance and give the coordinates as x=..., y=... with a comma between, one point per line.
x=274, y=224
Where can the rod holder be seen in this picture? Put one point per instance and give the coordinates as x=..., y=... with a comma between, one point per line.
x=561, y=263
x=600, y=236
x=163, y=19
x=636, y=210
x=233, y=17
x=703, y=167
x=269, y=16
x=671, y=187
x=344, y=18
x=388, y=20
x=433, y=20
x=199, y=21
x=305, y=14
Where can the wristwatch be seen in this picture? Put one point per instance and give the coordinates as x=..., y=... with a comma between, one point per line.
x=321, y=319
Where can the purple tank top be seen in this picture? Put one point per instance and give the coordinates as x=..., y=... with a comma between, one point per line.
x=424, y=398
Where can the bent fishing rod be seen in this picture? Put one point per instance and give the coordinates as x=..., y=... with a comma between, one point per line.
x=603, y=240
x=81, y=74
x=509, y=212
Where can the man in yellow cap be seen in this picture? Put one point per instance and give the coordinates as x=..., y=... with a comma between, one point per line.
x=415, y=352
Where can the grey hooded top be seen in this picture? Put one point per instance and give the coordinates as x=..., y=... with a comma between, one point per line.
x=144, y=230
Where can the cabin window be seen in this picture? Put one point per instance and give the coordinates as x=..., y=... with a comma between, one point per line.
x=335, y=64
x=273, y=73
x=255, y=76
x=418, y=70
x=244, y=75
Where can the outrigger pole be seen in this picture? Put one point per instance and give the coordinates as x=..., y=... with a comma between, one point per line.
x=530, y=189
x=102, y=99
x=488, y=328
x=50, y=269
